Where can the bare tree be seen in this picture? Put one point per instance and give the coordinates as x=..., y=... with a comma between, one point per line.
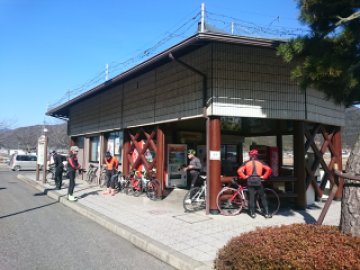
x=4, y=126
x=58, y=137
x=28, y=137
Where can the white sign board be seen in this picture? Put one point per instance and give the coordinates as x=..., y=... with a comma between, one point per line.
x=41, y=150
x=215, y=155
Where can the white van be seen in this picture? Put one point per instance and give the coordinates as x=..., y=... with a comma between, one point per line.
x=23, y=162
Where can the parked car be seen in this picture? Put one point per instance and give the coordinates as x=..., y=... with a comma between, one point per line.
x=23, y=162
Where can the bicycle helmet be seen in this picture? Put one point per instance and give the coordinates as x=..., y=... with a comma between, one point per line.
x=74, y=148
x=253, y=153
x=191, y=152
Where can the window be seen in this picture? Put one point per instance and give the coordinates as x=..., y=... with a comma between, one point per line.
x=94, y=149
x=229, y=159
x=79, y=142
x=115, y=143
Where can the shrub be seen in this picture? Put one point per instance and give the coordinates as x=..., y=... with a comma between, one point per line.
x=296, y=246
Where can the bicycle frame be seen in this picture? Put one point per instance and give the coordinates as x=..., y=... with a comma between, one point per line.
x=195, y=198
x=233, y=204
x=201, y=195
x=91, y=173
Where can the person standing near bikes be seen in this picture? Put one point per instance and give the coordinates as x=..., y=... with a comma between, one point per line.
x=255, y=171
x=194, y=167
x=59, y=169
x=111, y=166
x=73, y=166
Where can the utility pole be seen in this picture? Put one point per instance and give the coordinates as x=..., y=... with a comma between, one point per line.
x=202, y=18
x=45, y=153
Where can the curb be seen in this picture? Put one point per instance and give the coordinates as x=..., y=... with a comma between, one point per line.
x=143, y=242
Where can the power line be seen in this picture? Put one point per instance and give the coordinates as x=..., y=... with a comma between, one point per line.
x=214, y=23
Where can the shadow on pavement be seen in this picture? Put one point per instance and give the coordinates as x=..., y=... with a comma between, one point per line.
x=96, y=192
x=27, y=210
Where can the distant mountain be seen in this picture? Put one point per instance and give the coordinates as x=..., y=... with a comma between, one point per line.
x=351, y=130
x=25, y=138
x=58, y=138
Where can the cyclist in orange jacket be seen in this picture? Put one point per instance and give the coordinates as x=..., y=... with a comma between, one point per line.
x=111, y=164
x=254, y=171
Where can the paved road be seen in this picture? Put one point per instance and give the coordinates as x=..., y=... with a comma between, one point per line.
x=36, y=232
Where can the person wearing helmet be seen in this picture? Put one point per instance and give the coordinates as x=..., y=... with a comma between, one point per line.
x=194, y=167
x=59, y=168
x=255, y=171
x=73, y=166
x=111, y=166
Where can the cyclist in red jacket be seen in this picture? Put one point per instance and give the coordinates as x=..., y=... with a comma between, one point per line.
x=254, y=171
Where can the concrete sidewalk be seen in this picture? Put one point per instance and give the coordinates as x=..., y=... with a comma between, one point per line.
x=163, y=229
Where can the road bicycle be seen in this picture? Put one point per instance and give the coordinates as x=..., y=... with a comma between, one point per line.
x=120, y=182
x=103, y=177
x=139, y=182
x=230, y=201
x=152, y=185
x=195, y=198
x=50, y=174
x=132, y=184
x=91, y=173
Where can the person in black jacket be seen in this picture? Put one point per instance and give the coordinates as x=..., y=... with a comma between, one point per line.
x=194, y=167
x=59, y=169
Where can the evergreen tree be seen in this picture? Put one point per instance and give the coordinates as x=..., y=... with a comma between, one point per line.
x=328, y=59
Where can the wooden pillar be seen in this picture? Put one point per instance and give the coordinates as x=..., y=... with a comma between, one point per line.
x=160, y=159
x=279, y=144
x=336, y=141
x=126, y=165
x=103, y=147
x=299, y=164
x=213, y=137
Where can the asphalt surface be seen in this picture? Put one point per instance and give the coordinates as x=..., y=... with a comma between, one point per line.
x=38, y=232
x=163, y=229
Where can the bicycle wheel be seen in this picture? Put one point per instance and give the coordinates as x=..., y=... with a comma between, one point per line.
x=119, y=184
x=229, y=201
x=103, y=179
x=125, y=183
x=129, y=189
x=138, y=188
x=272, y=200
x=89, y=177
x=50, y=175
x=151, y=189
x=50, y=178
x=194, y=199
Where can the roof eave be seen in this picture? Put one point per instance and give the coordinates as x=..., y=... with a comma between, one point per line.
x=63, y=110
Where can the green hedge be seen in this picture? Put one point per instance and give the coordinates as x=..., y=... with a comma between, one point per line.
x=296, y=246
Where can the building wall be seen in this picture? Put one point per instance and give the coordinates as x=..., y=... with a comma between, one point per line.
x=320, y=109
x=254, y=82
x=166, y=93
x=243, y=81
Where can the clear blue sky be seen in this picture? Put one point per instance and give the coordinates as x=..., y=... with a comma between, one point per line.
x=49, y=47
